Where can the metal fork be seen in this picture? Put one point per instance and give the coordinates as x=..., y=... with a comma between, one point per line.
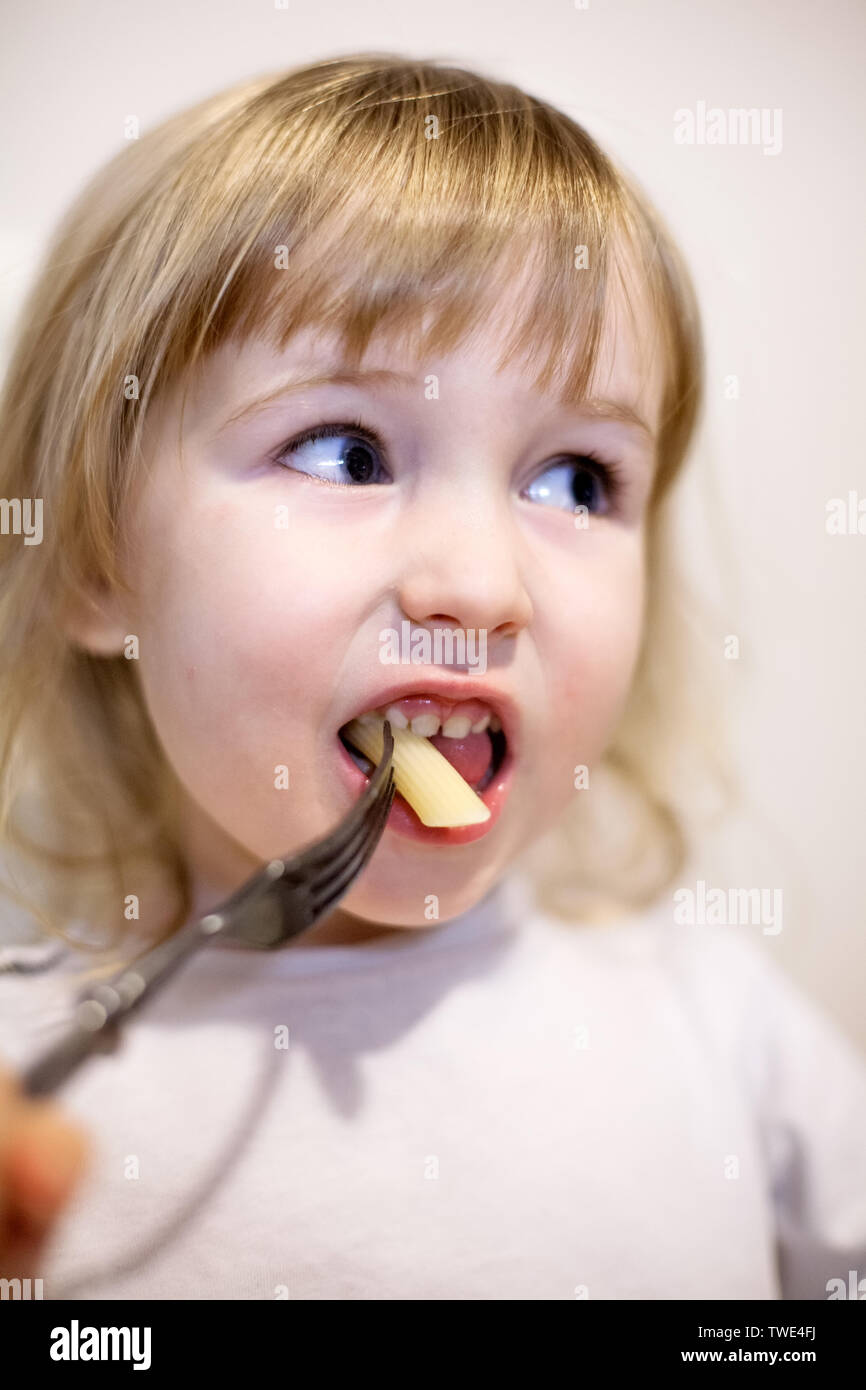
x=279, y=902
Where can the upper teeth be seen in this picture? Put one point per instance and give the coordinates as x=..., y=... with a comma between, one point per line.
x=428, y=725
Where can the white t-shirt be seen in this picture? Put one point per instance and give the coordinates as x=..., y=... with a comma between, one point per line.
x=503, y=1106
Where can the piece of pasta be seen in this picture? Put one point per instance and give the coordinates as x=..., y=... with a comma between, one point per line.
x=433, y=788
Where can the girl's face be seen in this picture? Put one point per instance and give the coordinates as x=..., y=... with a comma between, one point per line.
x=265, y=572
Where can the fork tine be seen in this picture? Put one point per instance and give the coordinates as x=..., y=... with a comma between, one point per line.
x=278, y=903
x=322, y=854
x=331, y=885
x=287, y=905
x=376, y=812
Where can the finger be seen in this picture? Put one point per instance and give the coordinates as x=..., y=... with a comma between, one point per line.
x=42, y=1157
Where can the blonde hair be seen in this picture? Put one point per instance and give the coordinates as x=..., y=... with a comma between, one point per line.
x=397, y=189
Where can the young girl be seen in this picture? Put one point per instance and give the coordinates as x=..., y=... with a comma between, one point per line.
x=381, y=346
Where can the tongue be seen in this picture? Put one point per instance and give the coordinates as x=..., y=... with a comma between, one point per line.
x=471, y=756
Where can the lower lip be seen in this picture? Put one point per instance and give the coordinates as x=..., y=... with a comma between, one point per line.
x=403, y=820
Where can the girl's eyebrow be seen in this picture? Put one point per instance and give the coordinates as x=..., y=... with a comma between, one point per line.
x=596, y=407
x=618, y=412
x=343, y=376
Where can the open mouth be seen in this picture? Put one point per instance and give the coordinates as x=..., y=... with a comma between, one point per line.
x=471, y=740
x=455, y=791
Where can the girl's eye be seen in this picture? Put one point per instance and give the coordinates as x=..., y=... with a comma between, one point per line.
x=347, y=455
x=582, y=481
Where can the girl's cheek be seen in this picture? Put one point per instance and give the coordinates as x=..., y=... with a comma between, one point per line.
x=599, y=651
x=230, y=572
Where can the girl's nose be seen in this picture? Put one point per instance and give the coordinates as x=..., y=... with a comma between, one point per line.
x=464, y=570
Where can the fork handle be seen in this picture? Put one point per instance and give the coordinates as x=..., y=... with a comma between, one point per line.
x=100, y=1008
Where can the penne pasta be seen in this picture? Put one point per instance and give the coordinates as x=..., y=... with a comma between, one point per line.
x=433, y=788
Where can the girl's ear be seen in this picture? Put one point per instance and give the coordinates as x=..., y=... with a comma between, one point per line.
x=95, y=622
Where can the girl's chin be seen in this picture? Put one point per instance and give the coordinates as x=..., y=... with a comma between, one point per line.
x=394, y=900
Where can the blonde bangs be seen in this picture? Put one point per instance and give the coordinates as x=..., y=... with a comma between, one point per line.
x=402, y=214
